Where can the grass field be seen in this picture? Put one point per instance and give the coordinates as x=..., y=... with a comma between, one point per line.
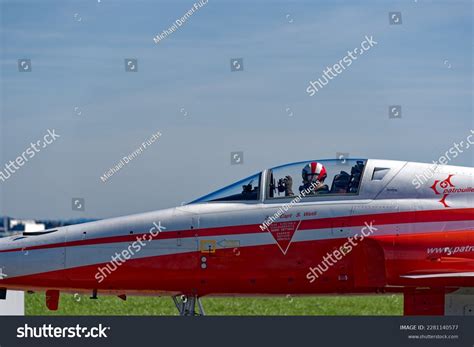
x=334, y=305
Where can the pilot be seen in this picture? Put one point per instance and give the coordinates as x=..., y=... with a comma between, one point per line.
x=314, y=173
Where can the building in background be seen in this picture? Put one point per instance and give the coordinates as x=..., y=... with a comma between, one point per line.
x=10, y=226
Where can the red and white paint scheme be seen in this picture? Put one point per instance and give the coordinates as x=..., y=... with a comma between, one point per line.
x=422, y=244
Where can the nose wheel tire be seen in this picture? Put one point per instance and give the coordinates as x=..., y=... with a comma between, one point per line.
x=186, y=305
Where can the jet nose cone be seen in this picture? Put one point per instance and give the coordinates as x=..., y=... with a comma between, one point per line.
x=10, y=259
x=3, y=274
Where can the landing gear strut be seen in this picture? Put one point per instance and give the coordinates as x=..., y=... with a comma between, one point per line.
x=186, y=305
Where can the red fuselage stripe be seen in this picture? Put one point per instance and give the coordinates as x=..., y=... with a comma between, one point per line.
x=447, y=215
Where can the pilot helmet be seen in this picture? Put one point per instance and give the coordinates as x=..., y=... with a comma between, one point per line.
x=314, y=172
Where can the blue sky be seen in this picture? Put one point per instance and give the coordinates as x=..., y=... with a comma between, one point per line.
x=77, y=50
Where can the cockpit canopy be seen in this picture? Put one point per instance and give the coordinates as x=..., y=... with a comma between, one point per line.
x=343, y=177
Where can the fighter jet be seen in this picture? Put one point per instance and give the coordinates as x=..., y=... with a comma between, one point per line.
x=317, y=227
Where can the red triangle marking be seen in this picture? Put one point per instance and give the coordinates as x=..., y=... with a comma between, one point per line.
x=283, y=233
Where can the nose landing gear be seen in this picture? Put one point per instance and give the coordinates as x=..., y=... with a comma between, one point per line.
x=186, y=305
